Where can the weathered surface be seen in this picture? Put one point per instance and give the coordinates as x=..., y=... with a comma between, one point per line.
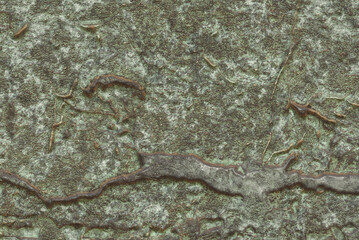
x=224, y=179
x=209, y=69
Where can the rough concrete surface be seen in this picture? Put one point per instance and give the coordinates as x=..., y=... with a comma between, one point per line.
x=220, y=142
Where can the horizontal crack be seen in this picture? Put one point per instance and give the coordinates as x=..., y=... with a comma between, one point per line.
x=225, y=179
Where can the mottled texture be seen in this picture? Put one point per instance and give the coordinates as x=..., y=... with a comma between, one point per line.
x=223, y=113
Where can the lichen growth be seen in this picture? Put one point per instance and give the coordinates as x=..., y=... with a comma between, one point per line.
x=224, y=113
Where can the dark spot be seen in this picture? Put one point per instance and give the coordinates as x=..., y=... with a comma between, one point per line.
x=66, y=134
x=10, y=119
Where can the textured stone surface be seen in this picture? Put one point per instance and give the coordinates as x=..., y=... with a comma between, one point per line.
x=209, y=69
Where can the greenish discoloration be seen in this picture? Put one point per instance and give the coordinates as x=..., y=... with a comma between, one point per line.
x=223, y=113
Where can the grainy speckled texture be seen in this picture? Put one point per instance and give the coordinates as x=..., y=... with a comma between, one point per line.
x=224, y=114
